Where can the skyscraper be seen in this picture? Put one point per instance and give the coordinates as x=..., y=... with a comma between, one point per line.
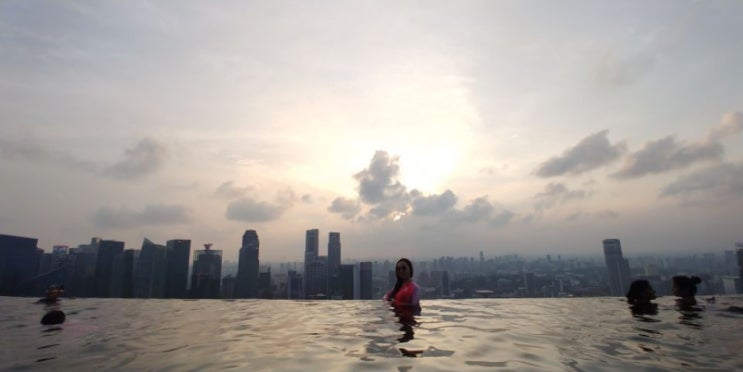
x=334, y=262
x=178, y=253
x=740, y=267
x=312, y=244
x=107, y=250
x=365, y=280
x=617, y=267
x=247, y=269
x=151, y=271
x=206, y=273
x=122, y=275
x=19, y=261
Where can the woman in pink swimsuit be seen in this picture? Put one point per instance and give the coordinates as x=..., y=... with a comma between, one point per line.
x=406, y=291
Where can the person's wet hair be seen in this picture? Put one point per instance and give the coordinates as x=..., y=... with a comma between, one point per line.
x=400, y=282
x=53, y=317
x=636, y=291
x=686, y=285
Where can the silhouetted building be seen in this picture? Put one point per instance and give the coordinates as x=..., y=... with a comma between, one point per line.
x=206, y=273
x=19, y=264
x=311, y=253
x=365, y=281
x=294, y=285
x=107, y=250
x=334, y=261
x=348, y=281
x=248, y=266
x=122, y=274
x=445, y=286
x=740, y=274
x=265, y=291
x=151, y=273
x=617, y=267
x=228, y=286
x=81, y=267
x=530, y=283
x=178, y=251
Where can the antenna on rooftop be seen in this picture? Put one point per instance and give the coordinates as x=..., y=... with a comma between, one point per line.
x=207, y=246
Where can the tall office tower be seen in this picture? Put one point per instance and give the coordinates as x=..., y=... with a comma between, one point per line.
x=122, y=275
x=206, y=273
x=178, y=251
x=365, y=280
x=82, y=265
x=107, y=250
x=19, y=261
x=151, y=271
x=617, y=267
x=247, y=269
x=334, y=261
x=346, y=275
x=228, y=286
x=59, y=256
x=312, y=244
x=265, y=289
x=294, y=286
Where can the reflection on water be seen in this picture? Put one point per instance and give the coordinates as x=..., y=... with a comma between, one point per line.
x=514, y=334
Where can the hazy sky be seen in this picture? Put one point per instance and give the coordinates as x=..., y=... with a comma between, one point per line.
x=413, y=128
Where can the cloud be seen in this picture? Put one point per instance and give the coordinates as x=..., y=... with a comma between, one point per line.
x=147, y=157
x=666, y=154
x=28, y=150
x=379, y=183
x=556, y=193
x=228, y=191
x=590, y=153
x=432, y=204
x=719, y=182
x=158, y=214
x=348, y=208
x=606, y=214
x=732, y=124
x=615, y=69
x=380, y=188
x=248, y=209
x=482, y=210
x=307, y=198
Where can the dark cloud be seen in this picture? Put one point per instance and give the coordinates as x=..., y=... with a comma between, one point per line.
x=590, y=153
x=147, y=157
x=666, y=154
x=348, y=208
x=228, y=191
x=250, y=210
x=379, y=183
x=380, y=189
x=718, y=182
x=158, y=214
x=556, y=193
x=432, y=204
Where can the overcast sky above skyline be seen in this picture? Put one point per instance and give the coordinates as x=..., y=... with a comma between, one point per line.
x=414, y=129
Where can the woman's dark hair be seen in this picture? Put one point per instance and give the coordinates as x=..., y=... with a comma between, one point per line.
x=687, y=284
x=636, y=289
x=399, y=282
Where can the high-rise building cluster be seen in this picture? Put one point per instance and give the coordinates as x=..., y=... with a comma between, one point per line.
x=104, y=268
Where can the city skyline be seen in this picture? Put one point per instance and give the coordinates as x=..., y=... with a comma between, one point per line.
x=416, y=131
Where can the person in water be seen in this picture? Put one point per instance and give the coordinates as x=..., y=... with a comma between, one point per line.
x=686, y=288
x=406, y=291
x=52, y=295
x=639, y=296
